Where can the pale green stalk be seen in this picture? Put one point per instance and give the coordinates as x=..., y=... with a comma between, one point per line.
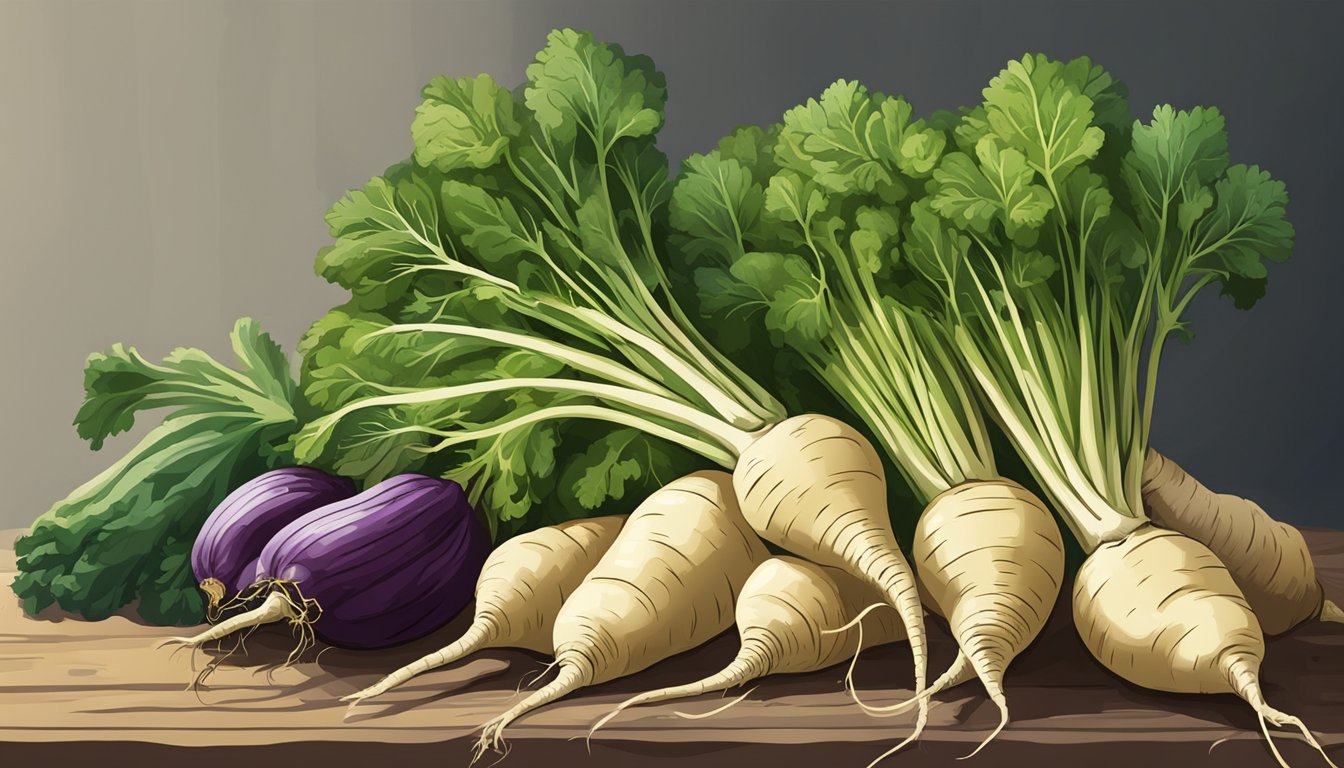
x=692, y=420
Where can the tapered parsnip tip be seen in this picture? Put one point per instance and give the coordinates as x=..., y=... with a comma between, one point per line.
x=1283, y=720
x=1002, y=704
x=1330, y=611
x=588, y=739
x=377, y=689
x=921, y=720
x=491, y=739
x=919, y=728
x=717, y=710
x=481, y=747
x=359, y=696
x=607, y=718
x=959, y=672
x=176, y=641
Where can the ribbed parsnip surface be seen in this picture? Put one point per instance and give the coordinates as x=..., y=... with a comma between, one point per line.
x=1268, y=559
x=666, y=585
x=783, y=615
x=991, y=558
x=1136, y=608
x=814, y=486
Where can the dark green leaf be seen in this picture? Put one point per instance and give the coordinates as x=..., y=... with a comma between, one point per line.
x=125, y=535
x=1246, y=227
x=716, y=203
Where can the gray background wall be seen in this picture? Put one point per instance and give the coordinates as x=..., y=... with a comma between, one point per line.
x=164, y=168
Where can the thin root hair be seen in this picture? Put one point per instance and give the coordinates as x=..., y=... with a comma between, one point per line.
x=215, y=663
x=858, y=649
x=1282, y=720
x=1270, y=740
x=896, y=748
x=716, y=710
x=857, y=619
x=524, y=682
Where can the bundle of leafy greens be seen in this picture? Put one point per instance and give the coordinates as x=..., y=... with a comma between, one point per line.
x=1061, y=245
x=792, y=237
x=794, y=229
x=126, y=535
x=545, y=210
x=1036, y=252
x=518, y=478
x=508, y=307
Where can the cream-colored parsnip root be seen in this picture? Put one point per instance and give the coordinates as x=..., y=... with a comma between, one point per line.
x=816, y=487
x=1268, y=559
x=519, y=593
x=667, y=584
x=782, y=616
x=990, y=560
x=1160, y=610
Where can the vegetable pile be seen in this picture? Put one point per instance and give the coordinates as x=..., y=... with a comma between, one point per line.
x=544, y=329
x=553, y=215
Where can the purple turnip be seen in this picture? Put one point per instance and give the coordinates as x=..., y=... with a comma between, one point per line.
x=225, y=554
x=384, y=567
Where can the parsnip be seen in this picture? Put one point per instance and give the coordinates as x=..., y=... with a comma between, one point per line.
x=814, y=486
x=782, y=615
x=990, y=560
x=1160, y=610
x=1268, y=559
x=667, y=584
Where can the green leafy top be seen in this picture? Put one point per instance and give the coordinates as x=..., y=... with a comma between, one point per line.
x=800, y=227
x=120, y=382
x=579, y=85
x=1058, y=239
x=126, y=535
x=1039, y=247
x=518, y=479
x=513, y=270
x=463, y=123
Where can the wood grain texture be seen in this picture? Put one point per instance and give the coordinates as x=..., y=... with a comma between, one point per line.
x=68, y=686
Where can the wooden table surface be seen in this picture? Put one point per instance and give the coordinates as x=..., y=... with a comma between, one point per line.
x=74, y=691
